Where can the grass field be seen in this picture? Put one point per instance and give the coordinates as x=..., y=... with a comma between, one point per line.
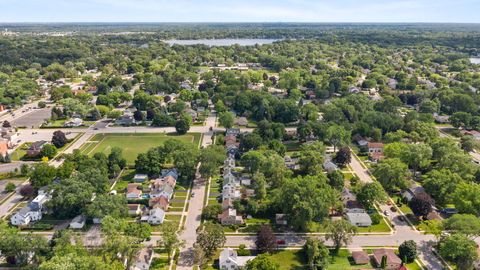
x=133, y=143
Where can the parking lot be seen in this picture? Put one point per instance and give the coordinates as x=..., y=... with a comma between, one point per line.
x=33, y=119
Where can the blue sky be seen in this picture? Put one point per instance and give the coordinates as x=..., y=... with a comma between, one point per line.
x=465, y=11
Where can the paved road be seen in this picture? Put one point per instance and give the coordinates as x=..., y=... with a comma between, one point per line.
x=6, y=206
x=402, y=231
x=194, y=215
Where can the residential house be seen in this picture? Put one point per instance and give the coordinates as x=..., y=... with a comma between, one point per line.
x=140, y=178
x=416, y=191
x=393, y=261
x=354, y=206
x=9, y=134
x=74, y=122
x=441, y=119
x=133, y=192
x=281, y=219
x=134, y=209
x=292, y=163
x=25, y=216
x=229, y=260
x=229, y=217
x=143, y=259
x=241, y=121
x=169, y=172
x=328, y=165
x=473, y=133
x=192, y=113
x=165, y=191
x=3, y=147
x=78, y=222
x=361, y=141
x=360, y=257
x=375, y=151
x=232, y=131
x=156, y=216
x=160, y=202
x=36, y=148
x=227, y=204
x=359, y=219
x=230, y=192
x=126, y=119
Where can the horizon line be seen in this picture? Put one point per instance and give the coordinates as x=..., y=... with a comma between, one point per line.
x=227, y=22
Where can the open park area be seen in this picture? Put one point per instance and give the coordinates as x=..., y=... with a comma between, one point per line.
x=132, y=144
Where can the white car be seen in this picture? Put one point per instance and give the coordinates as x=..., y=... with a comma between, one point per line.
x=386, y=213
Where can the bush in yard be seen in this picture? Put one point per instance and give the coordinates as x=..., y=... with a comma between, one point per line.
x=10, y=187
x=49, y=150
x=376, y=218
x=243, y=251
x=42, y=104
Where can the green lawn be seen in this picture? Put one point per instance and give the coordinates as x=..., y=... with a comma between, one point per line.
x=20, y=152
x=133, y=143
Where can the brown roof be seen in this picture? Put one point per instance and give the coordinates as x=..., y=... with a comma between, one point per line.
x=227, y=203
x=353, y=204
x=170, y=180
x=360, y=257
x=375, y=145
x=133, y=188
x=160, y=202
x=392, y=258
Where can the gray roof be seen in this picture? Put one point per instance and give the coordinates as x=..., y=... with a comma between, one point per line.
x=359, y=218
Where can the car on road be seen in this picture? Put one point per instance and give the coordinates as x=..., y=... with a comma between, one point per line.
x=280, y=242
x=386, y=213
x=193, y=194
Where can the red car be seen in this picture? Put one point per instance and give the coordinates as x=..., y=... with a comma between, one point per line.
x=280, y=242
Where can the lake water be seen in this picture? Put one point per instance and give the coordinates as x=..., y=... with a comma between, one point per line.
x=475, y=60
x=221, y=42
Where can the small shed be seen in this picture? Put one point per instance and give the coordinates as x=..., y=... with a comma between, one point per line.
x=140, y=178
x=78, y=222
x=281, y=219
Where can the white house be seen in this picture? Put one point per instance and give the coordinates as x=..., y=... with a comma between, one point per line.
x=26, y=215
x=31, y=212
x=229, y=260
x=78, y=222
x=156, y=216
x=74, y=122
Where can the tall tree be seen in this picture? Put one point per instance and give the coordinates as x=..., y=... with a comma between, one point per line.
x=266, y=240
x=211, y=238
x=340, y=232
x=226, y=119
x=170, y=240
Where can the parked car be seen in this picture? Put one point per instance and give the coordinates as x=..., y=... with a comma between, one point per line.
x=386, y=213
x=280, y=242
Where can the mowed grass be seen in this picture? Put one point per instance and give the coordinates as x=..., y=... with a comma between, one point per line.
x=133, y=144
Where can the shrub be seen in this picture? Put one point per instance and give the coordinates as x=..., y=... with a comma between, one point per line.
x=10, y=187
